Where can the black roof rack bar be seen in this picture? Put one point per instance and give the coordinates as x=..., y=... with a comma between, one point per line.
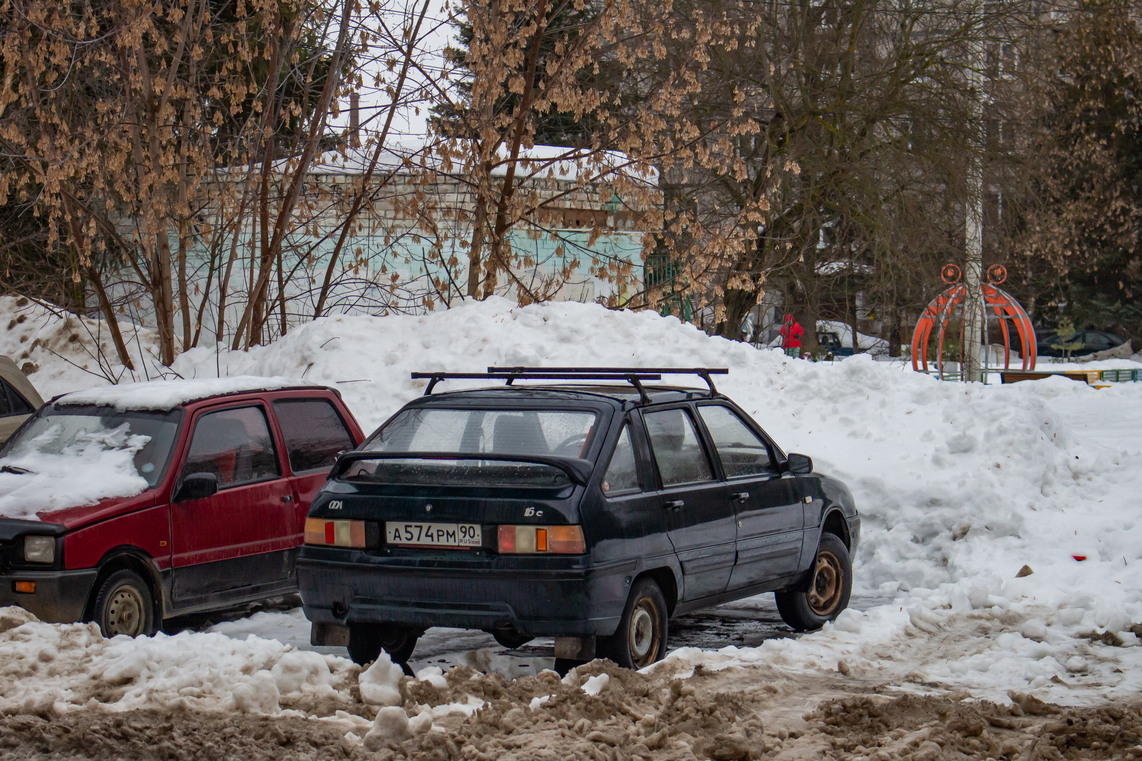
x=572, y=373
x=635, y=378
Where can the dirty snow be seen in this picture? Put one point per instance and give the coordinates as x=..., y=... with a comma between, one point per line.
x=1000, y=536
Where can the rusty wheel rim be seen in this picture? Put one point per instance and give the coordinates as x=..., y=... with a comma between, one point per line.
x=644, y=634
x=827, y=585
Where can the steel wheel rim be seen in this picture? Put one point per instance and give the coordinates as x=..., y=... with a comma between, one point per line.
x=125, y=612
x=826, y=587
x=644, y=634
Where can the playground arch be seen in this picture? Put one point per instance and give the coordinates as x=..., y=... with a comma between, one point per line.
x=943, y=310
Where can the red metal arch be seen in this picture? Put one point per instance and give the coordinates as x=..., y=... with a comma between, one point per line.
x=950, y=304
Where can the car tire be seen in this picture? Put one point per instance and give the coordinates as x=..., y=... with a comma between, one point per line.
x=125, y=605
x=641, y=637
x=827, y=591
x=510, y=638
x=367, y=640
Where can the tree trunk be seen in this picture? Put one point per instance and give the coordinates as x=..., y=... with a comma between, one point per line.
x=737, y=303
x=310, y=146
x=97, y=284
x=497, y=257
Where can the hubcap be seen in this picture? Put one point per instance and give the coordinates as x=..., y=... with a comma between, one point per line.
x=125, y=612
x=825, y=591
x=644, y=633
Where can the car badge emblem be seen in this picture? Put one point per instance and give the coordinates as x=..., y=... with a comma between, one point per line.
x=428, y=508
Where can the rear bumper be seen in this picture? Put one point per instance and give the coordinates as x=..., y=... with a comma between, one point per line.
x=536, y=598
x=60, y=596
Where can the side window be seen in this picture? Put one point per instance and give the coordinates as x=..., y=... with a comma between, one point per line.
x=234, y=445
x=1097, y=341
x=741, y=451
x=20, y=405
x=314, y=433
x=622, y=473
x=677, y=450
x=11, y=402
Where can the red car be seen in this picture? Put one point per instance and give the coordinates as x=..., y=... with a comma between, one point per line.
x=131, y=504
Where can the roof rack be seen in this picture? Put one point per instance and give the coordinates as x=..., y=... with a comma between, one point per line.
x=632, y=375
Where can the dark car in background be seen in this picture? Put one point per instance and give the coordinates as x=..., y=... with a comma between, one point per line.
x=1081, y=343
x=131, y=504
x=831, y=343
x=582, y=504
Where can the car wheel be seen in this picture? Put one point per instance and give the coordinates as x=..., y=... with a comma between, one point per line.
x=125, y=605
x=510, y=638
x=641, y=636
x=367, y=640
x=827, y=593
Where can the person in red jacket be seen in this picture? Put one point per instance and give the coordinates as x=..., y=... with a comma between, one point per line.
x=791, y=332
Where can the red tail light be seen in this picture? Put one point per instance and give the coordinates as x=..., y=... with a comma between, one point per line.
x=329, y=533
x=537, y=540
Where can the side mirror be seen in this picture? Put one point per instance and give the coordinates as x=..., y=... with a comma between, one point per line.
x=801, y=464
x=197, y=486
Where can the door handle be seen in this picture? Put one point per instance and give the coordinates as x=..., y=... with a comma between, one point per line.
x=287, y=498
x=741, y=496
x=674, y=504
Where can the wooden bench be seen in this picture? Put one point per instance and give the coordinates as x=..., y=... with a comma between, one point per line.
x=1090, y=377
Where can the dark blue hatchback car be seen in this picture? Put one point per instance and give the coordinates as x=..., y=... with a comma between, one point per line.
x=590, y=508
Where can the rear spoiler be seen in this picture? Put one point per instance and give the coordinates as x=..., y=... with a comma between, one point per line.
x=579, y=471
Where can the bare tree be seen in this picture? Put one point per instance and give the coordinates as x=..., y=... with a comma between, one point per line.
x=857, y=159
x=169, y=145
x=1081, y=240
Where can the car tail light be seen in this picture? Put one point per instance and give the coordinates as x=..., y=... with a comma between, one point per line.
x=531, y=540
x=334, y=533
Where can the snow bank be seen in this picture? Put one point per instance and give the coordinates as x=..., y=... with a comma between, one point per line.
x=62, y=352
x=994, y=518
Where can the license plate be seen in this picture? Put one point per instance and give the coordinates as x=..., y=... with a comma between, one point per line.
x=433, y=534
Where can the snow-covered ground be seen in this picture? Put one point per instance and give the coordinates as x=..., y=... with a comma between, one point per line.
x=1001, y=529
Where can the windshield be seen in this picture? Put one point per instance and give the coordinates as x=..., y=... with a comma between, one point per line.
x=142, y=440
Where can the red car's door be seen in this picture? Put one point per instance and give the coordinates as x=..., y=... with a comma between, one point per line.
x=238, y=541
x=314, y=432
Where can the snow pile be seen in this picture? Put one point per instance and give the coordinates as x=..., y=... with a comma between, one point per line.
x=1000, y=533
x=61, y=352
x=56, y=667
x=49, y=669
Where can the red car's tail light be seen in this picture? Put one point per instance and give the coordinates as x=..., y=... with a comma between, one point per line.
x=334, y=533
x=531, y=540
